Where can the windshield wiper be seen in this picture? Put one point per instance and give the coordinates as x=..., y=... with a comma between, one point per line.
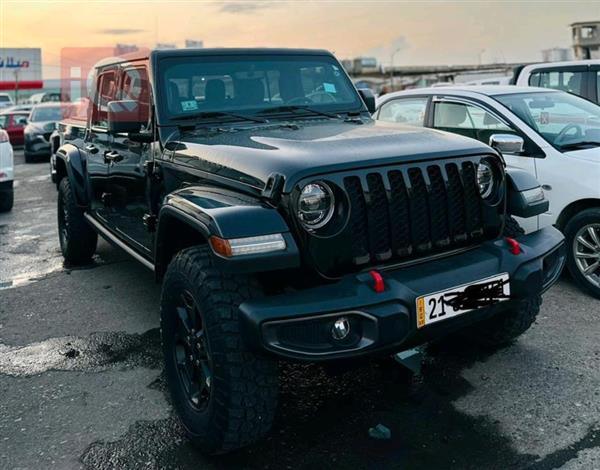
x=295, y=107
x=217, y=114
x=577, y=145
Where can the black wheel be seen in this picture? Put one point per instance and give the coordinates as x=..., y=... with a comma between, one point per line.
x=6, y=200
x=582, y=235
x=504, y=327
x=77, y=238
x=225, y=395
x=512, y=228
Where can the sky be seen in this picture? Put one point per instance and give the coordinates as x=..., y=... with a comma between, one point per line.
x=419, y=32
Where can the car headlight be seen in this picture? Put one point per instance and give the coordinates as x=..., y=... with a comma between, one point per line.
x=316, y=205
x=485, y=179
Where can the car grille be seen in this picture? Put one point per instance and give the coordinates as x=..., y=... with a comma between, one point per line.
x=401, y=213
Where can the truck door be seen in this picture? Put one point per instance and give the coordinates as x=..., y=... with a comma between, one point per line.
x=129, y=169
x=96, y=144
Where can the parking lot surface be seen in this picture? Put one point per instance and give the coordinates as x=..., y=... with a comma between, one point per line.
x=81, y=381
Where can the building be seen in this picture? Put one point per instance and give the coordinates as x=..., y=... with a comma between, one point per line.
x=557, y=54
x=586, y=39
x=20, y=70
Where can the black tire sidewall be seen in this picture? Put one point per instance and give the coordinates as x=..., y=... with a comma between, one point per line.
x=585, y=217
x=191, y=418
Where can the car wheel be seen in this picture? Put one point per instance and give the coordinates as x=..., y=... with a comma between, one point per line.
x=582, y=234
x=6, y=200
x=77, y=238
x=224, y=394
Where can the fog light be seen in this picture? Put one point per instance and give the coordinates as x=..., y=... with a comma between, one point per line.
x=341, y=328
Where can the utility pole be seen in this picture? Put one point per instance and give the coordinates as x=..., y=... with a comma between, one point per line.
x=392, y=68
x=16, y=72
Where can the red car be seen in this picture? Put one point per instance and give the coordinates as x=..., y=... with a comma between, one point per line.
x=14, y=123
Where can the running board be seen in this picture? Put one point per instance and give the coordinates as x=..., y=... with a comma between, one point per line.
x=106, y=234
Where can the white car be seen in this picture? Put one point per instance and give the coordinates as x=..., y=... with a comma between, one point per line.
x=551, y=134
x=5, y=100
x=580, y=77
x=6, y=173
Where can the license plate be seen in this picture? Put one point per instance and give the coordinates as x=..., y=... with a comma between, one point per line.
x=452, y=302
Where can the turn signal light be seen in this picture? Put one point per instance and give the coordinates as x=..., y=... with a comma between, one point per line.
x=248, y=245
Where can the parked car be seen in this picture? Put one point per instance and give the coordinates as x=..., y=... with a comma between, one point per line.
x=580, y=77
x=42, y=121
x=67, y=129
x=6, y=173
x=14, y=124
x=18, y=107
x=48, y=97
x=286, y=224
x=553, y=135
x=5, y=101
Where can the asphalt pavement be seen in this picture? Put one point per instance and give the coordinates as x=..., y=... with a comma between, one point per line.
x=81, y=382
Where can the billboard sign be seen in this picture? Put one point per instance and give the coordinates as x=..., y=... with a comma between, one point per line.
x=20, y=68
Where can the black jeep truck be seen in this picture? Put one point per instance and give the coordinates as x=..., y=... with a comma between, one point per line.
x=284, y=223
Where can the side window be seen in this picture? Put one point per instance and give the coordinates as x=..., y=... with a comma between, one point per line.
x=136, y=86
x=106, y=91
x=534, y=79
x=409, y=111
x=467, y=120
x=571, y=82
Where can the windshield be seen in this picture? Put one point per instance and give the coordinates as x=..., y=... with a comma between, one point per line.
x=48, y=113
x=4, y=99
x=251, y=84
x=564, y=120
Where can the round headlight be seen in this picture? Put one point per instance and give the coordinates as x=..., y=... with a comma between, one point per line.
x=315, y=205
x=485, y=179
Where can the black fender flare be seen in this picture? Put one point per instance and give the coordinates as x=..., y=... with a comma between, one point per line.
x=518, y=182
x=75, y=165
x=209, y=212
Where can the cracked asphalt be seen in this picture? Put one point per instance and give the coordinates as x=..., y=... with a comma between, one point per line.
x=81, y=382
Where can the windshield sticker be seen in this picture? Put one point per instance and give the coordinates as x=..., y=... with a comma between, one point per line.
x=190, y=105
x=329, y=88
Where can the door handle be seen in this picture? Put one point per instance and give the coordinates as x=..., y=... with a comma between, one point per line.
x=110, y=156
x=91, y=148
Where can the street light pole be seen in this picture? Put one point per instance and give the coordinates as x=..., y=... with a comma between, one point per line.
x=392, y=68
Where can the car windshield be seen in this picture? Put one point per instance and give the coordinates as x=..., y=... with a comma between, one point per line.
x=565, y=121
x=4, y=99
x=253, y=84
x=48, y=113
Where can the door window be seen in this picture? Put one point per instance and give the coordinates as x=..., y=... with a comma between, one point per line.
x=564, y=80
x=407, y=111
x=468, y=120
x=136, y=86
x=106, y=91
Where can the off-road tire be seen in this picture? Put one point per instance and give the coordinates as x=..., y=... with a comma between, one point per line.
x=504, y=327
x=77, y=238
x=512, y=228
x=244, y=386
x=583, y=218
x=6, y=200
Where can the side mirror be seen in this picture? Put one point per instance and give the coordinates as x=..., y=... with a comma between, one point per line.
x=369, y=98
x=124, y=117
x=507, y=143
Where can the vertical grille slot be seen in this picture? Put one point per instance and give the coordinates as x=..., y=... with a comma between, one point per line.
x=419, y=210
x=399, y=214
x=378, y=215
x=472, y=200
x=358, y=220
x=456, y=204
x=438, y=207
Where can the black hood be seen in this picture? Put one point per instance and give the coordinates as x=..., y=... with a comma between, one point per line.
x=316, y=147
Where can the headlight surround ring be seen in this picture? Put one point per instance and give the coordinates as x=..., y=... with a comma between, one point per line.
x=489, y=177
x=316, y=205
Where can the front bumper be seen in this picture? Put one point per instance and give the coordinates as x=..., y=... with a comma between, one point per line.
x=298, y=325
x=37, y=145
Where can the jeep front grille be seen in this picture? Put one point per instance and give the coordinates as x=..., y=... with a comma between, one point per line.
x=412, y=211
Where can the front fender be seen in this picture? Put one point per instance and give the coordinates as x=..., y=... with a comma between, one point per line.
x=519, y=183
x=74, y=164
x=226, y=215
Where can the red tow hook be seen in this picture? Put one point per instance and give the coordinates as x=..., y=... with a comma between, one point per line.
x=379, y=285
x=513, y=246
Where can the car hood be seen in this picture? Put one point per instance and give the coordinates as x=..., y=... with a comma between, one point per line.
x=40, y=126
x=297, y=150
x=591, y=155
